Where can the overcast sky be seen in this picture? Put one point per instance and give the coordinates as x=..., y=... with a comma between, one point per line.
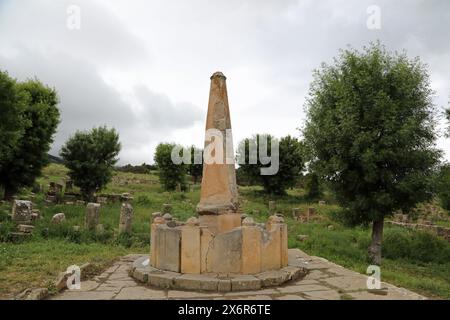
x=143, y=67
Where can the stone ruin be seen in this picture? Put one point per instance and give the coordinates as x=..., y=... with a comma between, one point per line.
x=219, y=245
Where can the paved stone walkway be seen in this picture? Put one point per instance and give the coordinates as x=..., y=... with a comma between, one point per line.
x=325, y=281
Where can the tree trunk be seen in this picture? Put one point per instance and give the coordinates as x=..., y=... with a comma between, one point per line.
x=375, y=245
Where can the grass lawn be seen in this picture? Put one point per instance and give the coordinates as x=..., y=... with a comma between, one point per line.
x=414, y=260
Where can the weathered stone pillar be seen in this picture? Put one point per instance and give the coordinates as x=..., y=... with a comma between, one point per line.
x=92, y=215
x=126, y=218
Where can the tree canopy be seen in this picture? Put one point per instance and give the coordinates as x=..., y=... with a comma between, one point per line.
x=170, y=173
x=90, y=157
x=32, y=108
x=290, y=159
x=370, y=132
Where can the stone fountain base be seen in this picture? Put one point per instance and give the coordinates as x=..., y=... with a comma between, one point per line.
x=144, y=273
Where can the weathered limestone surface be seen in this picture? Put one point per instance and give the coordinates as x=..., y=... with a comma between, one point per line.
x=92, y=215
x=22, y=210
x=168, y=241
x=219, y=189
x=251, y=250
x=58, y=218
x=225, y=253
x=126, y=218
x=190, y=249
x=220, y=223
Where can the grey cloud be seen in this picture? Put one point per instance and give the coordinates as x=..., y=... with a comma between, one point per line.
x=42, y=26
x=160, y=112
x=164, y=51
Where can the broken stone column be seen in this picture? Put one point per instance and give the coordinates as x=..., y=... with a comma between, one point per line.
x=92, y=215
x=126, y=218
x=21, y=211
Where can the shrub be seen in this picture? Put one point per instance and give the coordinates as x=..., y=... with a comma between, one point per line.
x=416, y=246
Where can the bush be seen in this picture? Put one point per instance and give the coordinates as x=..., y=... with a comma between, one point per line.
x=5, y=228
x=416, y=246
x=443, y=186
x=170, y=174
x=90, y=157
x=143, y=200
x=291, y=163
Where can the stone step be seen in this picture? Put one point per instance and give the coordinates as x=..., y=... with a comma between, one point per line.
x=25, y=228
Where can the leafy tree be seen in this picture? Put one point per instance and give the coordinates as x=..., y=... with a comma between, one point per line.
x=370, y=130
x=290, y=163
x=90, y=157
x=170, y=174
x=312, y=186
x=443, y=185
x=40, y=119
x=196, y=169
x=13, y=122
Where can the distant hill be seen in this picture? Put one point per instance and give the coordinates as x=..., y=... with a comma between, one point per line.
x=55, y=159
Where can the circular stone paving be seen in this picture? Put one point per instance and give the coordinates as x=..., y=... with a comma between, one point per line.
x=143, y=272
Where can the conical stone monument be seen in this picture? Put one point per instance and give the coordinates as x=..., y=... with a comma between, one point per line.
x=217, y=251
x=218, y=204
x=219, y=191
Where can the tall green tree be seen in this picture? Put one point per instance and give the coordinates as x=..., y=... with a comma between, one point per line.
x=370, y=130
x=290, y=159
x=170, y=173
x=90, y=157
x=312, y=186
x=196, y=169
x=13, y=122
x=29, y=155
x=443, y=185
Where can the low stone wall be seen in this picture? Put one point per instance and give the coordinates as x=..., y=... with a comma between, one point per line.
x=438, y=230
